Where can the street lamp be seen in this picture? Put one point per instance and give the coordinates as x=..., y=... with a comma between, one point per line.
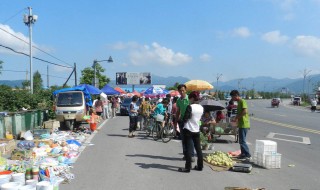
x=29, y=20
x=218, y=77
x=110, y=60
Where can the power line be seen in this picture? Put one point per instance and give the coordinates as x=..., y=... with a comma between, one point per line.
x=35, y=47
x=53, y=76
x=35, y=57
x=14, y=15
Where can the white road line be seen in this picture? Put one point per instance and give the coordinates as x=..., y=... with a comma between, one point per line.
x=304, y=140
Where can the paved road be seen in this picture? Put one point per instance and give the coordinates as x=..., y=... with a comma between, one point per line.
x=118, y=162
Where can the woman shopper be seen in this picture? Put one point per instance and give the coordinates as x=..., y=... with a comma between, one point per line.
x=98, y=106
x=191, y=132
x=133, y=116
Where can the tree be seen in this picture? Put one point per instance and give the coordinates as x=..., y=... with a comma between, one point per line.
x=37, y=82
x=175, y=87
x=87, y=76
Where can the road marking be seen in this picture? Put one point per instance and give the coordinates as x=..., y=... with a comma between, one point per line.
x=305, y=140
x=287, y=125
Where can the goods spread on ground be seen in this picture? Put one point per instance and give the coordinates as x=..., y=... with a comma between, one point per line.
x=219, y=158
x=40, y=159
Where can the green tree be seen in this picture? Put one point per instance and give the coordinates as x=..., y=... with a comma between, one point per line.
x=175, y=87
x=37, y=82
x=87, y=76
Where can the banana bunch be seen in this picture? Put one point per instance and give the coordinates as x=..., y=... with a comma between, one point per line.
x=219, y=158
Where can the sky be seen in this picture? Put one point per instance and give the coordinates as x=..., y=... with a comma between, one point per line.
x=207, y=39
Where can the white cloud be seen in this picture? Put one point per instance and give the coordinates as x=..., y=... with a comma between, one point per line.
x=307, y=45
x=205, y=57
x=155, y=53
x=243, y=32
x=274, y=37
x=8, y=40
x=122, y=45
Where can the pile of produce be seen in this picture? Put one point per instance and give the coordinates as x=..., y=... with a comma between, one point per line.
x=219, y=158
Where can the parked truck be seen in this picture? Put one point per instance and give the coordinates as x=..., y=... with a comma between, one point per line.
x=71, y=105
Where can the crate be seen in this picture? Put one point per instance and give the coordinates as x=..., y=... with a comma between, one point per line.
x=272, y=161
x=266, y=147
x=268, y=161
x=38, y=132
x=7, y=146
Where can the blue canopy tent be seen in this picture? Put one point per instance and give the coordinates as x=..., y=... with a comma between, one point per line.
x=77, y=88
x=108, y=90
x=155, y=91
x=91, y=89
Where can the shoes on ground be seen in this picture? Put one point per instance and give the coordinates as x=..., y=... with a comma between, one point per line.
x=184, y=170
x=197, y=168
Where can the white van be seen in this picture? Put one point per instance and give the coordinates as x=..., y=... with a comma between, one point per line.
x=70, y=107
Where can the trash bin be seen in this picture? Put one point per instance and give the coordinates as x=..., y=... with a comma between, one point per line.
x=17, y=126
x=29, y=120
x=2, y=128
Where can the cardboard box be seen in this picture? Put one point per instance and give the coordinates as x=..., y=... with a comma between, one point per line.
x=21, y=154
x=45, y=141
x=7, y=146
x=51, y=124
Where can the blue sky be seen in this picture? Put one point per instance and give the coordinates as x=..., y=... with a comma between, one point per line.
x=194, y=39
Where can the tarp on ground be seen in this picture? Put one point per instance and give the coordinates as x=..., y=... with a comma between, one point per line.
x=91, y=89
x=84, y=90
x=108, y=90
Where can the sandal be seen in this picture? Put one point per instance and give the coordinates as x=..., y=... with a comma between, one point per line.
x=184, y=170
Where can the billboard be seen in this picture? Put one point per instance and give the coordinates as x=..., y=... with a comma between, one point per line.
x=124, y=78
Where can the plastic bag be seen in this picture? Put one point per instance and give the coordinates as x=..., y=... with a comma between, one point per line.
x=28, y=136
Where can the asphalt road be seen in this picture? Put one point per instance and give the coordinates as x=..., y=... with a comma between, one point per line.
x=118, y=162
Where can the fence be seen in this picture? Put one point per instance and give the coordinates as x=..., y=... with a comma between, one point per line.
x=21, y=121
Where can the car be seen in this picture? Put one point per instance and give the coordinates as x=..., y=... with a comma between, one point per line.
x=296, y=101
x=125, y=106
x=275, y=102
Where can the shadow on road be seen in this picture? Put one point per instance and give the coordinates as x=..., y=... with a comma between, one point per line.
x=154, y=157
x=117, y=135
x=157, y=166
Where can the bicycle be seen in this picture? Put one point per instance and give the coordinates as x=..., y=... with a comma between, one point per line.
x=157, y=127
x=148, y=125
x=168, y=132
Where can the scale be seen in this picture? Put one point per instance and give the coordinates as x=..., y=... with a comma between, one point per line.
x=239, y=167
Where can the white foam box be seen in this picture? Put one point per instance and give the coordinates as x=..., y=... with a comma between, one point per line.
x=272, y=161
x=266, y=147
x=268, y=161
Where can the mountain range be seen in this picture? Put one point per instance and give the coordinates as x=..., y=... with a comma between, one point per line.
x=262, y=83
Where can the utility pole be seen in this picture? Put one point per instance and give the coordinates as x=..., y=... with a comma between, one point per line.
x=239, y=81
x=75, y=74
x=305, y=74
x=48, y=76
x=218, y=77
x=29, y=20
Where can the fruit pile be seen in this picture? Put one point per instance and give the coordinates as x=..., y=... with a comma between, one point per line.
x=219, y=158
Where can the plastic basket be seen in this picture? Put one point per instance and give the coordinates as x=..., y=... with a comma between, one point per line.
x=160, y=117
x=272, y=161
x=266, y=147
x=268, y=161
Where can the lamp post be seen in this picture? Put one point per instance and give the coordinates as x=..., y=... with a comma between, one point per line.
x=29, y=20
x=218, y=77
x=110, y=60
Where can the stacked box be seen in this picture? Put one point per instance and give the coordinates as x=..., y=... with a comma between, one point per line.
x=7, y=146
x=266, y=155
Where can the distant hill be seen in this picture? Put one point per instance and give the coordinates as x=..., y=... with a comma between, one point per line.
x=262, y=83
x=12, y=83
